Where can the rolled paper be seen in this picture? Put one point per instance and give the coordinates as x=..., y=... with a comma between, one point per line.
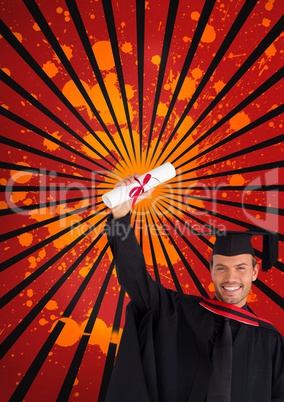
x=142, y=184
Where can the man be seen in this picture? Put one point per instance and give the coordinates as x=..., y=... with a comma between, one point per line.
x=178, y=348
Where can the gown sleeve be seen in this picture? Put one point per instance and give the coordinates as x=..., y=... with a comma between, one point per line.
x=144, y=292
x=277, y=393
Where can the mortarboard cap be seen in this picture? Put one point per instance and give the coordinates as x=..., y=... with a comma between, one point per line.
x=232, y=243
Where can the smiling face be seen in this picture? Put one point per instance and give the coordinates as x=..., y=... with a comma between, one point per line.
x=232, y=277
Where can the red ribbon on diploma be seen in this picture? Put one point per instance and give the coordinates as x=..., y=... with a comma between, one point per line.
x=138, y=190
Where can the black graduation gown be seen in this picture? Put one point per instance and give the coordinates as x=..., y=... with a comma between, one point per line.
x=164, y=351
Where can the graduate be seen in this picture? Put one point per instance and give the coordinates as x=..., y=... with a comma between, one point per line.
x=180, y=348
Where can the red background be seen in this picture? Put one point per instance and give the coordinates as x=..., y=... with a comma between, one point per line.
x=93, y=91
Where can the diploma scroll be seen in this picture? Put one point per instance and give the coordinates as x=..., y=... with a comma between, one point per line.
x=142, y=184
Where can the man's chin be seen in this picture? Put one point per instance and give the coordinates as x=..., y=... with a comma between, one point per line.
x=238, y=302
x=235, y=300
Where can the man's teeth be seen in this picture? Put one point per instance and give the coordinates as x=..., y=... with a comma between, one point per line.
x=231, y=288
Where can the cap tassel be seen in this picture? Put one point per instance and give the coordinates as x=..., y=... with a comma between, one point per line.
x=269, y=251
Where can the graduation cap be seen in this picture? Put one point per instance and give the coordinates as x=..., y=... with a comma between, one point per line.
x=231, y=243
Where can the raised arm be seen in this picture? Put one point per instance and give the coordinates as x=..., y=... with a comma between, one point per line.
x=130, y=263
x=143, y=291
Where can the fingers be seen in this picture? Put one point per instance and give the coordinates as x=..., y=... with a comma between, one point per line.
x=127, y=180
x=123, y=209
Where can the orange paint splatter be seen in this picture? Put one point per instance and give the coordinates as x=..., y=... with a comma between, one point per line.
x=42, y=322
x=239, y=121
x=3, y=181
x=187, y=89
x=195, y=15
x=211, y=287
x=197, y=203
x=68, y=221
x=111, y=82
x=127, y=48
x=156, y=60
x=271, y=51
x=209, y=34
x=6, y=71
x=252, y=297
x=218, y=86
x=30, y=292
x=21, y=177
x=70, y=333
x=185, y=126
x=196, y=73
x=25, y=239
x=101, y=335
x=266, y=22
x=73, y=94
x=162, y=109
x=42, y=214
x=36, y=27
x=68, y=51
x=50, y=69
x=85, y=270
x=237, y=180
x=18, y=36
x=28, y=201
x=52, y=146
x=103, y=53
x=32, y=261
x=3, y=205
x=269, y=5
x=129, y=91
x=51, y=305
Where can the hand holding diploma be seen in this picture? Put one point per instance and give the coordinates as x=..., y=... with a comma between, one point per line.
x=122, y=209
x=134, y=188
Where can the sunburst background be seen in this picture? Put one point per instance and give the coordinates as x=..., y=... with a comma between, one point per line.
x=93, y=91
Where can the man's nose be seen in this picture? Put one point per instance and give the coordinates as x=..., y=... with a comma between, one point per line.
x=231, y=276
